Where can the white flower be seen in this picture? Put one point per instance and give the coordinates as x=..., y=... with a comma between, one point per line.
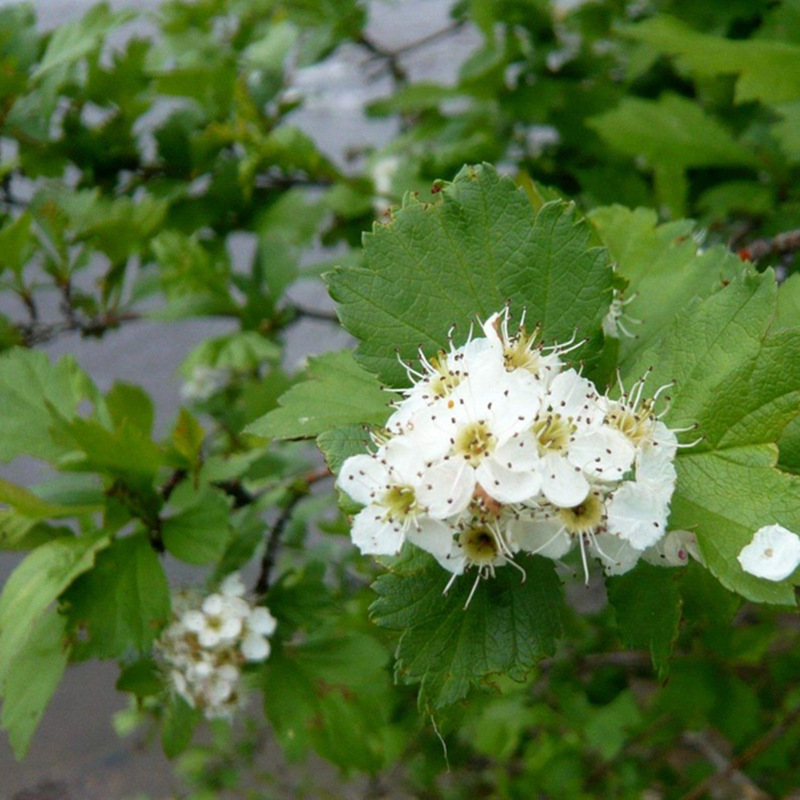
x=573, y=442
x=773, y=553
x=258, y=625
x=403, y=498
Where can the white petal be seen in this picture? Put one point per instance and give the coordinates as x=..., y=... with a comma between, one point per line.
x=254, y=647
x=616, y=555
x=363, y=477
x=603, y=453
x=637, y=514
x=232, y=586
x=543, y=537
x=673, y=550
x=213, y=605
x=774, y=553
x=446, y=488
x=563, y=484
x=432, y=536
x=506, y=485
x=375, y=536
x=259, y=620
x=573, y=396
x=194, y=621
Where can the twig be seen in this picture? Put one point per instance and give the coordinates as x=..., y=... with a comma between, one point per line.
x=786, y=242
x=390, y=57
x=312, y=313
x=734, y=766
x=296, y=492
x=35, y=333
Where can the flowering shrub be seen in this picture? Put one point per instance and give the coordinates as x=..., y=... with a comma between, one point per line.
x=536, y=376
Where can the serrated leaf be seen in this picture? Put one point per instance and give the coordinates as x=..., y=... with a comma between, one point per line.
x=664, y=267
x=121, y=604
x=508, y=627
x=332, y=693
x=341, y=443
x=445, y=263
x=35, y=584
x=32, y=679
x=648, y=609
x=337, y=393
x=741, y=385
x=30, y=386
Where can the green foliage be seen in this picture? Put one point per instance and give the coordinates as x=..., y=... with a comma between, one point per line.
x=442, y=264
x=168, y=177
x=338, y=393
x=450, y=642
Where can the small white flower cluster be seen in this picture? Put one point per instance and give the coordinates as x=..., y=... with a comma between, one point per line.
x=204, y=647
x=204, y=383
x=499, y=448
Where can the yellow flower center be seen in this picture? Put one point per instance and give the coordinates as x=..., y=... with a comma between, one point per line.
x=636, y=425
x=400, y=502
x=473, y=442
x=553, y=433
x=479, y=545
x=584, y=517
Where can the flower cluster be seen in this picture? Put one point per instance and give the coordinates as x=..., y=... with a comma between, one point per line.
x=498, y=448
x=208, y=641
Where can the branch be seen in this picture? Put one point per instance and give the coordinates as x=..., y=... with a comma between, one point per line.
x=34, y=333
x=296, y=492
x=731, y=770
x=390, y=57
x=787, y=242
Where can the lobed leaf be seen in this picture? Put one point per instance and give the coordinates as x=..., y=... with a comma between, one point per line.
x=444, y=263
x=508, y=627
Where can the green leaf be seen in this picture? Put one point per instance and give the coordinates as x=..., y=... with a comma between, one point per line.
x=333, y=694
x=673, y=134
x=508, y=627
x=338, y=393
x=32, y=679
x=340, y=443
x=725, y=497
x=664, y=267
x=178, y=725
x=741, y=385
x=122, y=603
x=73, y=41
x=445, y=263
x=30, y=386
x=200, y=531
x=648, y=608
x=34, y=585
x=768, y=70
x=188, y=437
x=30, y=505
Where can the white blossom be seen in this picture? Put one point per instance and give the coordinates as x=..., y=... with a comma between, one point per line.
x=499, y=449
x=773, y=553
x=208, y=641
